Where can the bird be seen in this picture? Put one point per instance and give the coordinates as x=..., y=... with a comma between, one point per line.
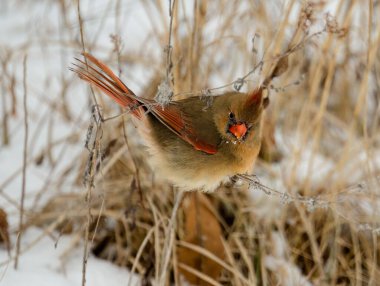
x=192, y=145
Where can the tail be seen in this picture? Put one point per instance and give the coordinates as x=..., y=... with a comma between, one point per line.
x=98, y=74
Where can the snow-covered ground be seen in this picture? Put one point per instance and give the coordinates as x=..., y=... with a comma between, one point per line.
x=45, y=263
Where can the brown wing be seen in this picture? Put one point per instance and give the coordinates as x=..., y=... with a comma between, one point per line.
x=173, y=116
x=176, y=117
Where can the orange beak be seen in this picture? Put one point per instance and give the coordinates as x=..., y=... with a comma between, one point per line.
x=238, y=130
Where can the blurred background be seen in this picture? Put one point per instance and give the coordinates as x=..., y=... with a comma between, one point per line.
x=95, y=212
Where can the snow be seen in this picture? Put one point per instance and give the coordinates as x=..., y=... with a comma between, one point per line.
x=45, y=264
x=277, y=262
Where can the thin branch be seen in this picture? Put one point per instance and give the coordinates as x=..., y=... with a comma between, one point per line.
x=25, y=155
x=81, y=31
x=311, y=202
x=239, y=82
x=93, y=158
x=169, y=63
x=169, y=238
x=165, y=89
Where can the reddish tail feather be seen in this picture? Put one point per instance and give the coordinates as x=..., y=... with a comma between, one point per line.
x=102, y=77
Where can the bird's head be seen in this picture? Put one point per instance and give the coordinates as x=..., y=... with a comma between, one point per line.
x=237, y=115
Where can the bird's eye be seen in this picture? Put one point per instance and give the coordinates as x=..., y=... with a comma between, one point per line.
x=231, y=115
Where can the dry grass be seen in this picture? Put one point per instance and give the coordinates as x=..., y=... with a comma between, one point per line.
x=314, y=214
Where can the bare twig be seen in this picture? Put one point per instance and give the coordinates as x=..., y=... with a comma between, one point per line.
x=311, y=202
x=165, y=89
x=92, y=160
x=239, y=82
x=169, y=238
x=169, y=63
x=25, y=155
x=5, y=128
x=90, y=173
x=83, y=45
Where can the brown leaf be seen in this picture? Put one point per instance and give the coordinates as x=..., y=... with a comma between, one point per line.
x=4, y=234
x=201, y=228
x=281, y=67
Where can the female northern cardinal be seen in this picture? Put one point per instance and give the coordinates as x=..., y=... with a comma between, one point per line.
x=193, y=147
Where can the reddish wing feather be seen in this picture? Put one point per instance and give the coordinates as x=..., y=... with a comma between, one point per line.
x=171, y=116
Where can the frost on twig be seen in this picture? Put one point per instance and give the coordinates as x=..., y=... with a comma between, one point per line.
x=92, y=144
x=286, y=199
x=207, y=98
x=311, y=203
x=254, y=50
x=95, y=120
x=332, y=26
x=164, y=93
x=366, y=227
x=238, y=84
